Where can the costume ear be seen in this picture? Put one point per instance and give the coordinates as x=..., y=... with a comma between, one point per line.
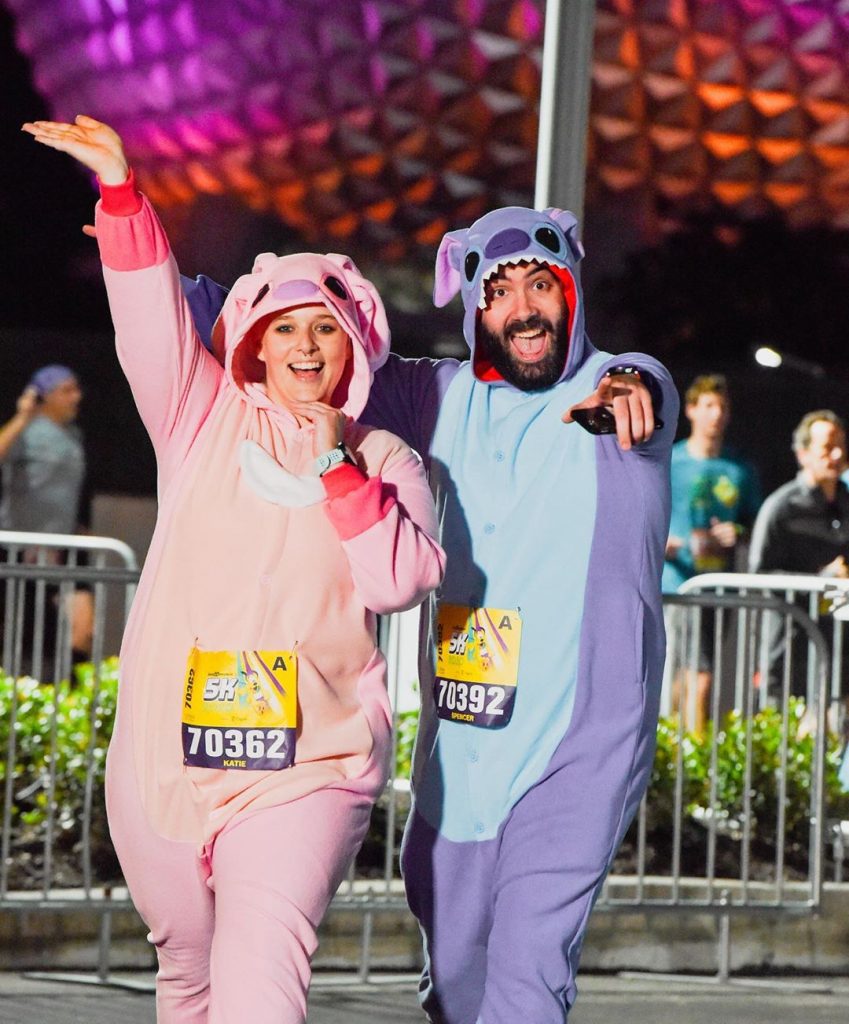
x=265, y=263
x=343, y=262
x=447, y=281
x=374, y=327
x=568, y=222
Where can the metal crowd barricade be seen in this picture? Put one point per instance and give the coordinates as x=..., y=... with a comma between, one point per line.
x=826, y=603
x=38, y=574
x=752, y=669
x=740, y=685
x=35, y=584
x=40, y=577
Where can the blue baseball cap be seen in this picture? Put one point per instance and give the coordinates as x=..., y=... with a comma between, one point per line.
x=50, y=377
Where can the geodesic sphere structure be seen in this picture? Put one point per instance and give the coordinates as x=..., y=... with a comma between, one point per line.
x=377, y=125
x=384, y=121
x=744, y=103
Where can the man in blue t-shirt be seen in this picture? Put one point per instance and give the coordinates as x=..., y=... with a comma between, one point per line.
x=715, y=498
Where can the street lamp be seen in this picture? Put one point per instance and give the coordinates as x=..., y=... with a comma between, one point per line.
x=771, y=358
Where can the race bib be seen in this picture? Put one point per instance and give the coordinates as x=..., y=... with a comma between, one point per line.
x=477, y=664
x=240, y=709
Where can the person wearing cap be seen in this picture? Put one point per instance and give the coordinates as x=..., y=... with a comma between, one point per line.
x=541, y=656
x=41, y=448
x=43, y=471
x=253, y=728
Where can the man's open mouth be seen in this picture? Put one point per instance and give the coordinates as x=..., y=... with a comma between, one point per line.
x=530, y=344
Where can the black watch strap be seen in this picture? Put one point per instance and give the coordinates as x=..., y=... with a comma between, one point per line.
x=627, y=370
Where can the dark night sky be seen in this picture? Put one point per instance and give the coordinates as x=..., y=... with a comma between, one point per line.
x=44, y=200
x=53, y=305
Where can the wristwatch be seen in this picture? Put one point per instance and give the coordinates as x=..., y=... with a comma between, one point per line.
x=626, y=370
x=333, y=458
x=623, y=371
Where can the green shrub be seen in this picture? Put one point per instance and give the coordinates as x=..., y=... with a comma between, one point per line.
x=407, y=724
x=44, y=747
x=763, y=731
x=75, y=717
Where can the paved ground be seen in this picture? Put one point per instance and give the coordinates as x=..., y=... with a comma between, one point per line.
x=604, y=1000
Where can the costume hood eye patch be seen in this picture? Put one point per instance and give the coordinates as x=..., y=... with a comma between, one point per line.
x=548, y=239
x=471, y=264
x=333, y=284
x=260, y=295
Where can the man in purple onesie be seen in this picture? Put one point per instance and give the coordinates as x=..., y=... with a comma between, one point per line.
x=542, y=653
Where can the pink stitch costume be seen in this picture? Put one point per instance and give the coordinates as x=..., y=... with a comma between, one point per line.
x=232, y=870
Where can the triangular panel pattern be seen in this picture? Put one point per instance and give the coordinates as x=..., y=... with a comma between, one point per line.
x=379, y=124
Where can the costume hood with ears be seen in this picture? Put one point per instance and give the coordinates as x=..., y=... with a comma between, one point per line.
x=506, y=237
x=278, y=283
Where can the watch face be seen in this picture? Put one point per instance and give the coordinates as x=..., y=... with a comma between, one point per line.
x=328, y=459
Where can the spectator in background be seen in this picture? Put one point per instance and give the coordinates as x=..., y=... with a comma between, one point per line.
x=41, y=449
x=803, y=527
x=715, y=497
x=43, y=469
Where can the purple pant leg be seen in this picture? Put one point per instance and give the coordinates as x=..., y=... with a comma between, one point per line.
x=558, y=843
x=449, y=889
x=504, y=919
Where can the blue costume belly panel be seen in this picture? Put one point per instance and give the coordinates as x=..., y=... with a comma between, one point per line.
x=492, y=448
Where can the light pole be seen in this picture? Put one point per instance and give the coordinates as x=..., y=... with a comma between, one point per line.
x=564, y=105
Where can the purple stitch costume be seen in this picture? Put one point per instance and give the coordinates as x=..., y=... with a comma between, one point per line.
x=513, y=829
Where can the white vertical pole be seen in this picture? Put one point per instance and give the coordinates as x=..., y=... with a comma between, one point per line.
x=564, y=104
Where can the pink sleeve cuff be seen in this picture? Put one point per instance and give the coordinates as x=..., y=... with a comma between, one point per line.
x=342, y=480
x=121, y=200
x=355, y=509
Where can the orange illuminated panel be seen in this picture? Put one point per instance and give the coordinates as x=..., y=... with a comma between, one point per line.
x=779, y=151
x=725, y=146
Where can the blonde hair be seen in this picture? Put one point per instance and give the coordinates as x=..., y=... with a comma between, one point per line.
x=706, y=384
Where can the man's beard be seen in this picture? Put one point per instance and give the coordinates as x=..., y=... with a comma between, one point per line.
x=536, y=376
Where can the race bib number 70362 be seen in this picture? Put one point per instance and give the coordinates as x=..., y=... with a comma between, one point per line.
x=240, y=709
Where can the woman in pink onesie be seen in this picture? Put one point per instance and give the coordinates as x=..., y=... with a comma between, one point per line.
x=253, y=726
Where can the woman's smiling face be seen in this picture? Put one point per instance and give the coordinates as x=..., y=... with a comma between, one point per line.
x=305, y=351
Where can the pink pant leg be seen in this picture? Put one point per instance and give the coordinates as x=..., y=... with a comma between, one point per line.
x=274, y=874
x=169, y=891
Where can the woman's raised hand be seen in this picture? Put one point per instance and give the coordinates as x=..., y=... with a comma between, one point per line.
x=93, y=143
x=329, y=424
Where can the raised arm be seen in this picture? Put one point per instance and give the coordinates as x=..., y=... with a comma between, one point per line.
x=14, y=427
x=173, y=378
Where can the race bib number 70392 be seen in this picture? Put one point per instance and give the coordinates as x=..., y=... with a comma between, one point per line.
x=477, y=664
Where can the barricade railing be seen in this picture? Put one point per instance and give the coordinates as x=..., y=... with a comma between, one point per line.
x=58, y=591
x=735, y=821
x=782, y=875
x=826, y=602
